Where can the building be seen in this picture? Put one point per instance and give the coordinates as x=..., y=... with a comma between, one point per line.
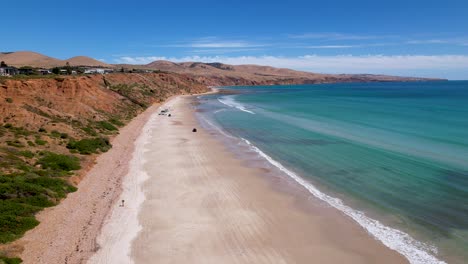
x=26, y=71
x=8, y=71
x=98, y=70
x=43, y=71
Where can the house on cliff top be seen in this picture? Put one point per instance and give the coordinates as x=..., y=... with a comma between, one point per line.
x=8, y=71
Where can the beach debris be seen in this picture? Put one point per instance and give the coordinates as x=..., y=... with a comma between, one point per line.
x=169, y=115
x=122, y=204
x=194, y=130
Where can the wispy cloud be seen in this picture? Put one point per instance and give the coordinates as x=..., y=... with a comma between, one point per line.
x=334, y=64
x=428, y=41
x=462, y=41
x=333, y=46
x=333, y=36
x=346, y=46
x=235, y=44
x=223, y=51
x=138, y=60
x=214, y=43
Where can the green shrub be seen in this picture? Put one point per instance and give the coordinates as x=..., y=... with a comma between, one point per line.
x=59, y=162
x=116, y=122
x=19, y=131
x=15, y=143
x=106, y=125
x=8, y=126
x=26, y=153
x=90, y=131
x=22, y=195
x=39, y=201
x=31, y=144
x=9, y=100
x=24, y=167
x=13, y=227
x=58, y=186
x=5, y=260
x=40, y=142
x=63, y=135
x=90, y=145
x=42, y=130
x=55, y=134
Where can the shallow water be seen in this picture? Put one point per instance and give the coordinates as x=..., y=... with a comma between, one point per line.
x=396, y=151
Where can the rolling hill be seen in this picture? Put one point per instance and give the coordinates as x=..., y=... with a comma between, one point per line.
x=34, y=59
x=224, y=74
x=207, y=73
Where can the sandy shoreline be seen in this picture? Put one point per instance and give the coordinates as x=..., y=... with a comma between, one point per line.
x=190, y=200
x=68, y=231
x=202, y=205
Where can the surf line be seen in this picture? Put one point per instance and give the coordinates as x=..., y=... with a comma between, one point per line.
x=415, y=251
x=229, y=101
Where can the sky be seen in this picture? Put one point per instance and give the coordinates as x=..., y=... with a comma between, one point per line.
x=409, y=38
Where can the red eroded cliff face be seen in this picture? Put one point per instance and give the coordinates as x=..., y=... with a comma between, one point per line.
x=47, y=102
x=49, y=113
x=53, y=127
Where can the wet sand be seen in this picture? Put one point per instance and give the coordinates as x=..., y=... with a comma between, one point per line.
x=202, y=205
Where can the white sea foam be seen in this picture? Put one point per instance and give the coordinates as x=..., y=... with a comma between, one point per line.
x=415, y=251
x=229, y=101
x=203, y=119
x=218, y=111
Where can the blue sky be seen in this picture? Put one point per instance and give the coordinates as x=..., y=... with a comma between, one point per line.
x=412, y=37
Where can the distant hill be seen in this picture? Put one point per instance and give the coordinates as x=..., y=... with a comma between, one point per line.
x=225, y=74
x=207, y=73
x=86, y=61
x=28, y=58
x=34, y=59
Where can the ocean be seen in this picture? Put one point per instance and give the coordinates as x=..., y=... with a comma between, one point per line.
x=391, y=156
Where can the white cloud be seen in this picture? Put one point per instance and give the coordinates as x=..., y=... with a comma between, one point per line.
x=138, y=60
x=333, y=36
x=333, y=46
x=463, y=41
x=213, y=43
x=428, y=41
x=222, y=51
x=238, y=44
x=428, y=65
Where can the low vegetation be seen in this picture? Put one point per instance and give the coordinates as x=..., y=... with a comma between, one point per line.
x=24, y=194
x=90, y=145
x=31, y=178
x=5, y=260
x=106, y=126
x=59, y=162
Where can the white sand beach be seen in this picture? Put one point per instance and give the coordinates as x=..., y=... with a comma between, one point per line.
x=189, y=200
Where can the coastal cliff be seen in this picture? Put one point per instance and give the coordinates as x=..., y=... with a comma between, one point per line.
x=53, y=128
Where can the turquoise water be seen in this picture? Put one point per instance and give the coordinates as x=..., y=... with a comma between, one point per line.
x=398, y=152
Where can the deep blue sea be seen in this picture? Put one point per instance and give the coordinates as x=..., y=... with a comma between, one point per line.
x=392, y=156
